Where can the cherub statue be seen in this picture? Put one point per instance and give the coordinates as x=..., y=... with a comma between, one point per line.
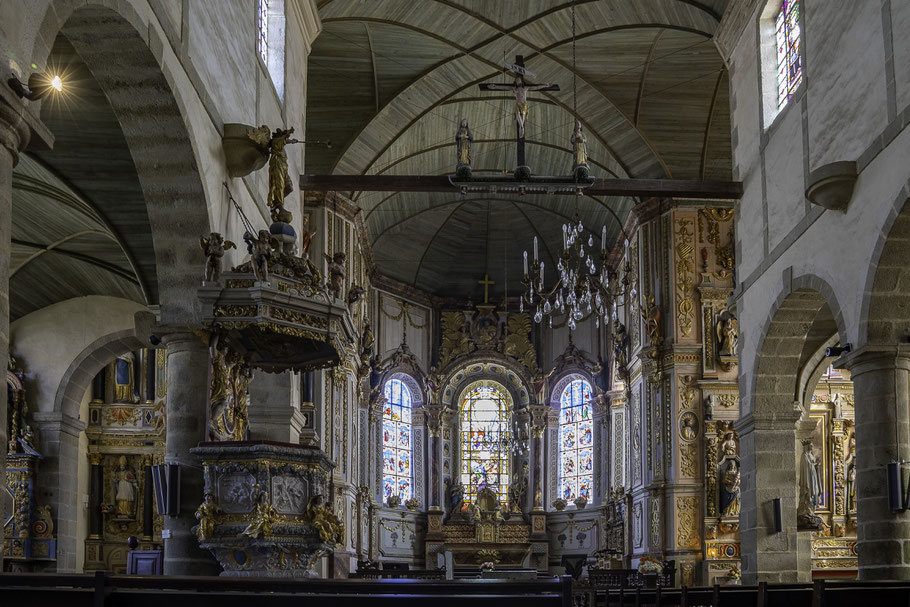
x=214, y=247
x=264, y=515
x=330, y=528
x=367, y=341
x=260, y=250
x=205, y=514
x=336, y=273
x=463, y=140
x=279, y=181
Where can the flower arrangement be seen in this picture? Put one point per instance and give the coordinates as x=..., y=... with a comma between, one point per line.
x=393, y=501
x=734, y=573
x=580, y=502
x=487, y=566
x=648, y=564
x=412, y=504
x=560, y=504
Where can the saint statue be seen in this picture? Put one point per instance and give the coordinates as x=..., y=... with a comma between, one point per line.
x=264, y=515
x=126, y=489
x=728, y=447
x=850, y=465
x=205, y=514
x=455, y=495
x=579, y=152
x=260, y=250
x=306, y=237
x=729, y=489
x=810, y=475
x=463, y=140
x=727, y=330
x=336, y=273
x=125, y=379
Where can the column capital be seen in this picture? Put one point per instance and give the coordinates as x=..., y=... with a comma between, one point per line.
x=752, y=421
x=876, y=358
x=20, y=129
x=58, y=421
x=185, y=340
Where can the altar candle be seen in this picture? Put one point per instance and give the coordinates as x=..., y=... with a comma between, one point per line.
x=526, y=263
x=535, y=249
x=603, y=238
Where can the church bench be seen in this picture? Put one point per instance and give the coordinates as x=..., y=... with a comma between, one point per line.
x=410, y=574
x=101, y=590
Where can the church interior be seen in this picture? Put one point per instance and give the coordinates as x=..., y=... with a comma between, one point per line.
x=445, y=290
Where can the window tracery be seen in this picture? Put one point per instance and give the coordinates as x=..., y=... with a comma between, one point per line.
x=397, y=476
x=576, y=441
x=485, y=418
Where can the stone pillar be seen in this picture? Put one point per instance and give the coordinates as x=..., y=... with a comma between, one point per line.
x=187, y=387
x=274, y=410
x=59, y=481
x=880, y=387
x=767, y=444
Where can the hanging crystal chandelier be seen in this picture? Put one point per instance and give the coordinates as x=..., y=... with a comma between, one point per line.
x=583, y=288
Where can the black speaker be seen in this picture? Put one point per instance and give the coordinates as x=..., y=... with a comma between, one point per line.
x=778, y=515
x=895, y=487
x=159, y=485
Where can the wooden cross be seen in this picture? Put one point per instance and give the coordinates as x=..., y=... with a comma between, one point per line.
x=520, y=88
x=486, y=282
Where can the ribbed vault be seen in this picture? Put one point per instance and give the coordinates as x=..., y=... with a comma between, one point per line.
x=390, y=80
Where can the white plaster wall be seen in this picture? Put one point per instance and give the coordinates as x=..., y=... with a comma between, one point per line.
x=843, y=108
x=47, y=341
x=82, y=487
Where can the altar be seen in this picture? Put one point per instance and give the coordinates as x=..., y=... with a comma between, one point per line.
x=482, y=533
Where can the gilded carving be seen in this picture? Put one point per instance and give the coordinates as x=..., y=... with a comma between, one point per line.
x=655, y=523
x=518, y=343
x=688, y=459
x=685, y=272
x=687, y=535
x=708, y=341
x=236, y=311
x=455, y=340
x=711, y=467
x=228, y=402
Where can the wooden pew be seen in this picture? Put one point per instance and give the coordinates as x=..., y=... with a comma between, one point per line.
x=102, y=590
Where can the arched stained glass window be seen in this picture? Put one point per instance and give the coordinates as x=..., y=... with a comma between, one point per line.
x=576, y=441
x=396, y=440
x=485, y=422
x=789, y=65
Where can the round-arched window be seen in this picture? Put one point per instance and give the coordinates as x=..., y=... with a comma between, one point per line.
x=576, y=441
x=397, y=476
x=485, y=422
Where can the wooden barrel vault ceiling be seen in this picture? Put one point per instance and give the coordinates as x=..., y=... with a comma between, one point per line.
x=389, y=80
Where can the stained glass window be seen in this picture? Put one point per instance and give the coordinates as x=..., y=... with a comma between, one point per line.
x=576, y=441
x=485, y=419
x=789, y=66
x=396, y=440
x=262, y=26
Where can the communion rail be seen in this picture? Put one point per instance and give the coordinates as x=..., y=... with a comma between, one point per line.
x=102, y=590
x=821, y=593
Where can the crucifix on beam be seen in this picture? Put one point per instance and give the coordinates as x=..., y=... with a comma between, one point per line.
x=520, y=88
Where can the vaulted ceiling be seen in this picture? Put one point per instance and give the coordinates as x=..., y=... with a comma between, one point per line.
x=80, y=224
x=389, y=80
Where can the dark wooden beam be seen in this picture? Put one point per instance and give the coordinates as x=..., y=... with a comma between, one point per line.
x=644, y=188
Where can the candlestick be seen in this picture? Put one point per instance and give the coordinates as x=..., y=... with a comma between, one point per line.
x=603, y=238
x=535, y=249
x=526, y=263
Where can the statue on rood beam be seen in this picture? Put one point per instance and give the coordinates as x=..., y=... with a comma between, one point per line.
x=463, y=141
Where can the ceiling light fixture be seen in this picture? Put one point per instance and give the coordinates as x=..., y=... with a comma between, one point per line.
x=39, y=85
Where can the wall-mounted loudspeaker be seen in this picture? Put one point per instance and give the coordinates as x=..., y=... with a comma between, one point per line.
x=778, y=515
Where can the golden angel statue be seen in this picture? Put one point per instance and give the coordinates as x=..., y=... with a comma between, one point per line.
x=279, y=180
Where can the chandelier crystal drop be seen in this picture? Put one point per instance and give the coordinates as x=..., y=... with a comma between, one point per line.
x=583, y=289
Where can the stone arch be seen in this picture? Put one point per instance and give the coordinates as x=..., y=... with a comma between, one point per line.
x=885, y=308
x=802, y=320
x=78, y=377
x=116, y=46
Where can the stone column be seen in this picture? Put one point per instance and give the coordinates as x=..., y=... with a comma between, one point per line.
x=767, y=445
x=880, y=387
x=187, y=387
x=59, y=483
x=274, y=410
x=148, y=505
x=96, y=496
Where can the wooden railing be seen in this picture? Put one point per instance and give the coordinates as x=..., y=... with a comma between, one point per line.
x=391, y=574
x=101, y=590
